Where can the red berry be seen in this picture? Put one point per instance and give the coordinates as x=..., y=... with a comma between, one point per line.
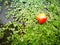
x=41, y=18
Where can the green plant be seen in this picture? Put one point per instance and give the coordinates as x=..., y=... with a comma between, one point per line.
x=25, y=30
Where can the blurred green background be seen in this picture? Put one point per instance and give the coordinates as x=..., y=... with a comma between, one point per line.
x=18, y=24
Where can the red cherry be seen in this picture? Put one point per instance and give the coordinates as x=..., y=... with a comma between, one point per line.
x=41, y=18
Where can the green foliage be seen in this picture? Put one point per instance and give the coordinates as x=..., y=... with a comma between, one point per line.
x=1, y=33
x=0, y=8
x=0, y=0
x=25, y=30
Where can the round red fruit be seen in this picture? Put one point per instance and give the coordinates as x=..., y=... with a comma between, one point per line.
x=41, y=18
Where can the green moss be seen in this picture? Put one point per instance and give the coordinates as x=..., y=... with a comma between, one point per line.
x=28, y=31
